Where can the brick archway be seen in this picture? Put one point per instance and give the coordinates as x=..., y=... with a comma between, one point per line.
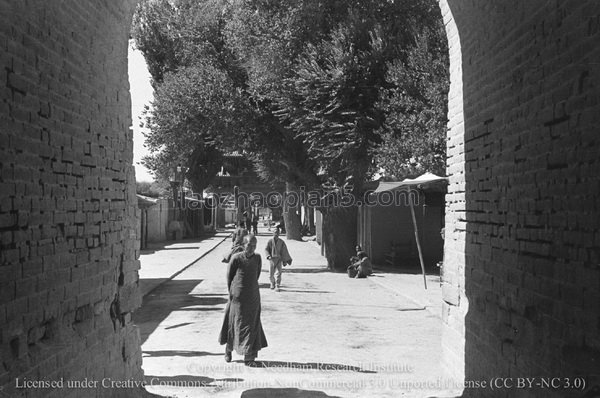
x=522, y=288
x=455, y=303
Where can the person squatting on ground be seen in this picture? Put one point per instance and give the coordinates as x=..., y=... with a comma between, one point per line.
x=278, y=256
x=360, y=266
x=242, y=330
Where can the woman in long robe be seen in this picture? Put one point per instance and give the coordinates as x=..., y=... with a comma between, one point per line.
x=242, y=330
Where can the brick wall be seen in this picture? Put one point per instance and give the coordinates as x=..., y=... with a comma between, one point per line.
x=68, y=267
x=455, y=305
x=522, y=249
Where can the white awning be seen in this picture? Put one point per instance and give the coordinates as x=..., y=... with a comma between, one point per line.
x=422, y=182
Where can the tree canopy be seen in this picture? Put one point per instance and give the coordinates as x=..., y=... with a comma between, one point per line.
x=314, y=92
x=415, y=105
x=333, y=79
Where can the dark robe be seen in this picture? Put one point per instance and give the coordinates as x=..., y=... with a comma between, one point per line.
x=238, y=236
x=242, y=330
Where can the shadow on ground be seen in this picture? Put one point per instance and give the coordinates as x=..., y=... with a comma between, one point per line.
x=405, y=269
x=284, y=393
x=173, y=296
x=150, y=251
x=160, y=246
x=315, y=304
x=187, y=380
x=176, y=353
x=298, y=270
x=310, y=366
x=303, y=291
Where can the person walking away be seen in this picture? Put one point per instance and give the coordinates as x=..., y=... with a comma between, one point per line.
x=242, y=329
x=278, y=256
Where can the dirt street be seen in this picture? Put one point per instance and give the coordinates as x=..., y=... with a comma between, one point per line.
x=328, y=335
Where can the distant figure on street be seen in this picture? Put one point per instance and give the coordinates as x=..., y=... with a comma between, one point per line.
x=281, y=226
x=247, y=221
x=242, y=330
x=237, y=242
x=238, y=234
x=278, y=256
x=255, y=225
x=360, y=266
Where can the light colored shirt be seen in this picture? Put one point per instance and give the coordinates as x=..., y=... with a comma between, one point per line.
x=277, y=249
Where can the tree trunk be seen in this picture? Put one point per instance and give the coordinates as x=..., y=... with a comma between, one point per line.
x=197, y=210
x=291, y=214
x=310, y=211
x=339, y=236
x=240, y=208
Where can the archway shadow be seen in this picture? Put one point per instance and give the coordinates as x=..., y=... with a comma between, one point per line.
x=310, y=366
x=188, y=380
x=176, y=353
x=172, y=296
x=284, y=393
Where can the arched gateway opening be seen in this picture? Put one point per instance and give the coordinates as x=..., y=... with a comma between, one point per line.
x=522, y=273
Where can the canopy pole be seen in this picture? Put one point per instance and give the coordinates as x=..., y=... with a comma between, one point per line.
x=412, y=212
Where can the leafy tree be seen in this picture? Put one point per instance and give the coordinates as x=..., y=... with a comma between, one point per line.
x=315, y=87
x=331, y=100
x=153, y=29
x=282, y=158
x=177, y=38
x=186, y=54
x=415, y=106
x=328, y=103
x=195, y=112
x=266, y=37
x=181, y=33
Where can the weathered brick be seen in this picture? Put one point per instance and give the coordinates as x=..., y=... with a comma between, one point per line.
x=52, y=101
x=529, y=175
x=31, y=268
x=7, y=220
